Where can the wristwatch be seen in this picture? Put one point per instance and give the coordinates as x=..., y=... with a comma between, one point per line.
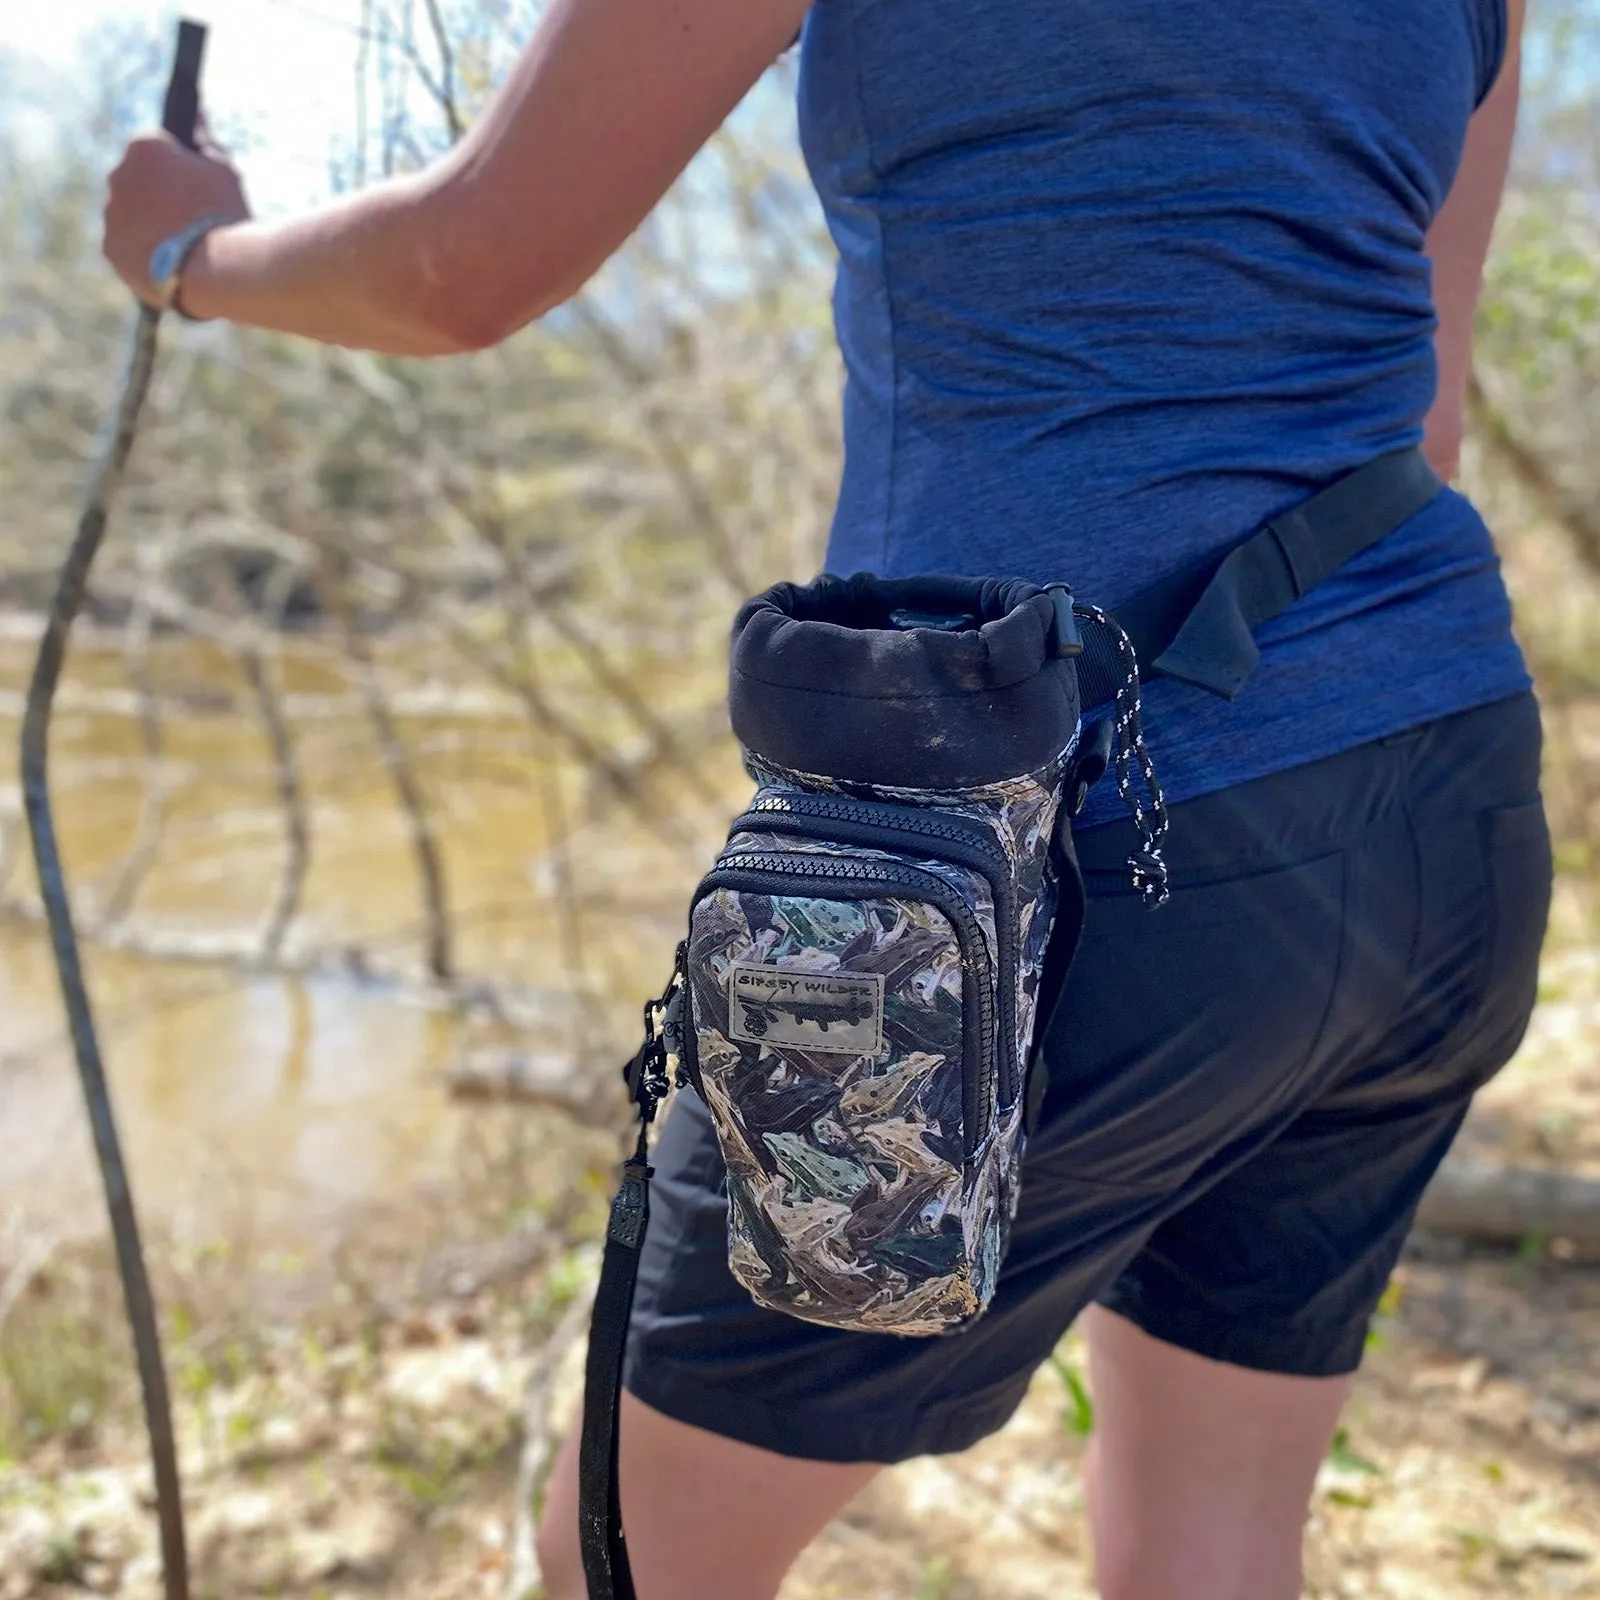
x=168, y=258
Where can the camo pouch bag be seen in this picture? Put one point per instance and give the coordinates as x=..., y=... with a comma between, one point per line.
x=856, y=997
x=865, y=957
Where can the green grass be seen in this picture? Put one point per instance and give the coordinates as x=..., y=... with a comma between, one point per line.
x=1078, y=1414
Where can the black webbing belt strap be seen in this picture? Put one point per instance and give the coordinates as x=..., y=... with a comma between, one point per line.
x=605, y=1552
x=1196, y=626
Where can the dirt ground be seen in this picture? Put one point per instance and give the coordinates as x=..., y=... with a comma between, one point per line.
x=1470, y=1462
x=1471, y=1466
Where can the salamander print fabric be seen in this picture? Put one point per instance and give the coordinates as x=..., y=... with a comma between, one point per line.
x=863, y=967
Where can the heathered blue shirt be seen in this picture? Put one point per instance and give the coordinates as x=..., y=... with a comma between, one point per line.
x=1120, y=280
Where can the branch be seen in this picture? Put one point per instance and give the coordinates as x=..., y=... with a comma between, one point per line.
x=153, y=794
x=285, y=758
x=291, y=797
x=35, y=1257
x=670, y=453
x=361, y=94
x=520, y=1006
x=620, y=779
x=10, y=841
x=408, y=792
x=446, y=92
x=558, y=849
x=460, y=705
x=1580, y=523
x=516, y=1077
x=489, y=527
x=1508, y=1204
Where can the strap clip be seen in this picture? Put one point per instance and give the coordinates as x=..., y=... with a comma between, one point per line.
x=647, y=1075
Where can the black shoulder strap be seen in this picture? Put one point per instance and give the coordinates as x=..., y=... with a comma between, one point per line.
x=600, y=1535
x=605, y=1552
x=1198, y=624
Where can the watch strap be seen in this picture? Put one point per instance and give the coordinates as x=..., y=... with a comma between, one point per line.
x=171, y=256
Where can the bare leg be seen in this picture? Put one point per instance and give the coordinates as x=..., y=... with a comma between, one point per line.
x=1200, y=1473
x=707, y=1518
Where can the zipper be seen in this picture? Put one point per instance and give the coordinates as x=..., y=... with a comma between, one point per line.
x=964, y=843
x=767, y=873
x=967, y=834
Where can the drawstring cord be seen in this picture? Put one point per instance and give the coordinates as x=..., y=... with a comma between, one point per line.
x=1147, y=864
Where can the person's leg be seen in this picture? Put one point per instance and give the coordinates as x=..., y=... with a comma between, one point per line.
x=1200, y=1473
x=750, y=1515
x=1222, y=1354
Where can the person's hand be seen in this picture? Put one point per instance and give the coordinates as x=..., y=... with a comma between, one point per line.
x=158, y=188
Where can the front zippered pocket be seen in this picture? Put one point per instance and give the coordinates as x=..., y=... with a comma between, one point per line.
x=960, y=841
x=839, y=878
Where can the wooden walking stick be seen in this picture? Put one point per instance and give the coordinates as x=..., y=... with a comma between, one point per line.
x=179, y=115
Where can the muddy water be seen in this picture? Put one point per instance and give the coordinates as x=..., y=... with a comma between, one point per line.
x=279, y=1099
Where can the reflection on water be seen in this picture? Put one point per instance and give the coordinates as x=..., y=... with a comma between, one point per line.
x=301, y=1095
x=304, y=1093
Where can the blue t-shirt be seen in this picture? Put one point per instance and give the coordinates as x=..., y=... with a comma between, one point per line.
x=1119, y=282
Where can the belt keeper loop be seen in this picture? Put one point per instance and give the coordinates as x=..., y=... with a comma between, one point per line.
x=1298, y=546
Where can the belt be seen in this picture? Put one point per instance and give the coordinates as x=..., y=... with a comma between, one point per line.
x=1198, y=624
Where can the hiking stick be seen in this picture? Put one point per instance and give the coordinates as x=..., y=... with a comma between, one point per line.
x=179, y=115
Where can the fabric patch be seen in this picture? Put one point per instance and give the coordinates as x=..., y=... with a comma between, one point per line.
x=816, y=1011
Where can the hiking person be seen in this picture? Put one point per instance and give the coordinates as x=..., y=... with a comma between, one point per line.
x=1117, y=285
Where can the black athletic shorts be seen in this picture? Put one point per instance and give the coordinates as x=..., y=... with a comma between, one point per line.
x=1249, y=1090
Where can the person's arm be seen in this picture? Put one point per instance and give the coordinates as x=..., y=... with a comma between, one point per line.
x=1458, y=241
x=607, y=105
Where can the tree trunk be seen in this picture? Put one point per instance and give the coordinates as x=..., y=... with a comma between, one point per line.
x=1509, y=1204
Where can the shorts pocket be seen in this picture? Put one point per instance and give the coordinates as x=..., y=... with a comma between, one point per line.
x=1182, y=1030
x=1516, y=841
